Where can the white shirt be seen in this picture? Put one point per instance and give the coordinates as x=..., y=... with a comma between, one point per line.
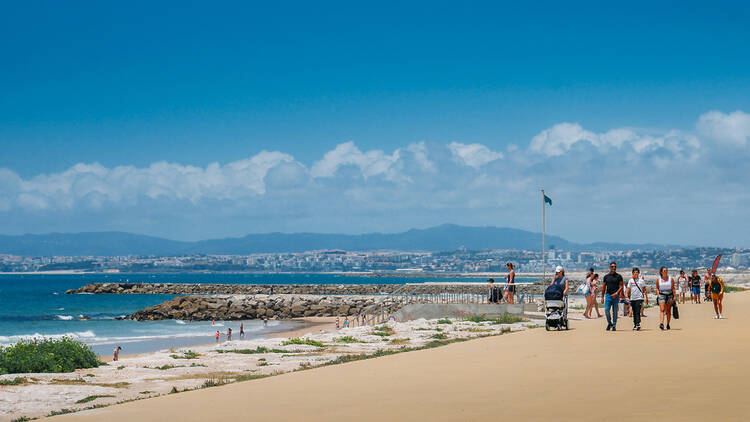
x=635, y=293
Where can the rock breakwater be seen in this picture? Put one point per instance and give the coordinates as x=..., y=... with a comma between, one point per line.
x=235, y=307
x=299, y=289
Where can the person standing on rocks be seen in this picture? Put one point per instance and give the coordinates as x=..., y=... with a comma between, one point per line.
x=611, y=295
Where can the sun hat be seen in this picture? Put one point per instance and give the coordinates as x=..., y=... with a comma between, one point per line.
x=558, y=268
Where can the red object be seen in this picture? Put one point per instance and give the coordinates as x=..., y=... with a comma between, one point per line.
x=716, y=264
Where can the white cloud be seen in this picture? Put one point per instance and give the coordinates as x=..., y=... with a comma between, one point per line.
x=416, y=185
x=732, y=129
x=562, y=137
x=473, y=155
x=370, y=163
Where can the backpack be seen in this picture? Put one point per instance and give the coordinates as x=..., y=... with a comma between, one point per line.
x=715, y=286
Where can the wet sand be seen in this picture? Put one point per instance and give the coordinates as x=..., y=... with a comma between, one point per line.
x=696, y=371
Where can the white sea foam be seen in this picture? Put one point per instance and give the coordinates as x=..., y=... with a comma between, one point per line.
x=80, y=335
x=64, y=317
x=179, y=321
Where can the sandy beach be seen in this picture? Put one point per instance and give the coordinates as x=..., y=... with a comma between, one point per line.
x=698, y=370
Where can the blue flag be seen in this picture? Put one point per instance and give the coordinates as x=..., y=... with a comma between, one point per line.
x=547, y=200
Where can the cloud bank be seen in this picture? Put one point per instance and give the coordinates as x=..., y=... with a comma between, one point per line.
x=625, y=184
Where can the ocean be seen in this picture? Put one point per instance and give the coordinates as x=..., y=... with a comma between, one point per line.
x=36, y=306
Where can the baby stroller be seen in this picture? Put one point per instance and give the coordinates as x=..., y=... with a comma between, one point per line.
x=556, y=305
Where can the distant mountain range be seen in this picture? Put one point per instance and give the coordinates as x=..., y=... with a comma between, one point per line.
x=447, y=237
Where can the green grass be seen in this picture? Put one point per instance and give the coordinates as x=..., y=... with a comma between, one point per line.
x=444, y=321
x=59, y=355
x=505, y=319
x=213, y=383
x=61, y=412
x=439, y=336
x=20, y=419
x=92, y=398
x=164, y=367
x=731, y=289
x=423, y=329
x=196, y=365
x=187, y=354
x=399, y=341
x=383, y=331
x=257, y=350
x=146, y=392
x=14, y=381
x=305, y=341
x=119, y=368
x=348, y=339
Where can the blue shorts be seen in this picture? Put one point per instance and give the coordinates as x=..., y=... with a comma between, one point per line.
x=696, y=291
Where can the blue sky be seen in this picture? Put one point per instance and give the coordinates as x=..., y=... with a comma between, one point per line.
x=354, y=118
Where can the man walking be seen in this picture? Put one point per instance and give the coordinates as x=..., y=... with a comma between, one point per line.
x=636, y=292
x=611, y=295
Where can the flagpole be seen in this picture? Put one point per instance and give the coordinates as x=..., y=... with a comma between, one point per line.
x=544, y=224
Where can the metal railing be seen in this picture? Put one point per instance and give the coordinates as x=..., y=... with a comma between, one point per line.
x=411, y=293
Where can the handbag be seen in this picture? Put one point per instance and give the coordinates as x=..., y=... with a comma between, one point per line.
x=675, y=311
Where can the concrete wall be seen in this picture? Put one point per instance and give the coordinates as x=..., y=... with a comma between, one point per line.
x=455, y=310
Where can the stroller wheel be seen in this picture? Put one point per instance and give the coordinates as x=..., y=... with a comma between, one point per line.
x=559, y=327
x=546, y=326
x=566, y=325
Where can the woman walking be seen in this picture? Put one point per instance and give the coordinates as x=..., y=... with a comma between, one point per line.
x=510, y=288
x=717, y=294
x=682, y=286
x=665, y=291
x=591, y=283
x=636, y=291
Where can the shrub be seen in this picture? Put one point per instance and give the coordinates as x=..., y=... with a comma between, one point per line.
x=444, y=321
x=505, y=319
x=187, y=354
x=61, y=355
x=383, y=331
x=92, y=398
x=439, y=336
x=306, y=341
x=257, y=350
x=348, y=339
x=14, y=381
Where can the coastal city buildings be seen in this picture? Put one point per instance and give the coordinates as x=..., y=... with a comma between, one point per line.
x=460, y=261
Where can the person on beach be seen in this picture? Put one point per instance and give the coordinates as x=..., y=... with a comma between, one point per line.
x=717, y=294
x=706, y=282
x=611, y=295
x=346, y=321
x=242, y=331
x=589, y=291
x=217, y=336
x=115, y=355
x=591, y=296
x=265, y=321
x=491, y=292
x=636, y=291
x=338, y=323
x=695, y=286
x=510, y=288
x=560, y=279
x=229, y=334
x=665, y=291
x=682, y=286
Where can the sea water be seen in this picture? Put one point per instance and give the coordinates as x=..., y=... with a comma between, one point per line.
x=35, y=306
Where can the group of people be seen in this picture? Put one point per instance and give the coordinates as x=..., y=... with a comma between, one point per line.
x=633, y=294
x=507, y=292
